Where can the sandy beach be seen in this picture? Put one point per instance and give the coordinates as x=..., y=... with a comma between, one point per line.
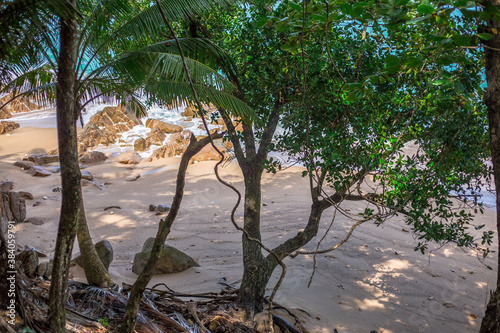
x=376, y=281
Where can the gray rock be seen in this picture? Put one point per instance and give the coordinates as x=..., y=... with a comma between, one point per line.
x=6, y=186
x=104, y=251
x=34, y=220
x=42, y=159
x=87, y=175
x=38, y=171
x=27, y=261
x=40, y=254
x=171, y=259
x=54, y=169
x=12, y=207
x=25, y=165
x=163, y=208
x=26, y=195
x=45, y=269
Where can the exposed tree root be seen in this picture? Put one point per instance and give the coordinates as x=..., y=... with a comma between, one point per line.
x=92, y=309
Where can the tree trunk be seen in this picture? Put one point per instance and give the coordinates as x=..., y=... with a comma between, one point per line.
x=256, y=269
x=491, y=320
x=95, y=272
x=70, y=173
x=130, y=317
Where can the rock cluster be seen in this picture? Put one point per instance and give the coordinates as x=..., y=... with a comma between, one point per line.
x=171, y=259
x=159, y=130
x=8, y=126
x=176, y=145
x=104, y=127
x=12, y=205
x=191, y=111
x=33, y=169
x=15, y=106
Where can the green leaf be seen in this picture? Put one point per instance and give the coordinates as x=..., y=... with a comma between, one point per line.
x=296, y=7
x=391, y=60
x=418, y=19
x=261, y=23
x=485, y=36
x=459, y=87
x=425, y=9
x=464, y=40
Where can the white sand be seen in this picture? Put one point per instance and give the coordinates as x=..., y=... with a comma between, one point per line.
x=376, y=281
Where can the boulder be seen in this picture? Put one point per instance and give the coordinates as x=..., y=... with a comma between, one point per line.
x=18, y=105
x=141, y=144
x=192, y=111
x=12, y=207
x=26, y=195
x=8, y=126
x=188, y=112
x=27, y=262
x=87, y=175
x=176, y=145
x=42, y=159
x=129, y=158
x=104, y=127
x=25, y=165
x=44, y=269
x=4, y=114
x=104, y=251
x=39, y=171
x=171, y=259
x=156, y=137
x=92, y=157
x=34, y=221
x=163, y=126
x=6, y=186
x=208, y=153
x=237, y=123
x=54, y=169
x=163, y=208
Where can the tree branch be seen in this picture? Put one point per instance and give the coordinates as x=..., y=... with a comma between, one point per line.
x=274, y=118
x=233, y=136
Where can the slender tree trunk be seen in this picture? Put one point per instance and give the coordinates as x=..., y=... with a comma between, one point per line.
x=491, y=320
x=95, y=272
x=256, y=269
x=70, y=173
x=130, y=317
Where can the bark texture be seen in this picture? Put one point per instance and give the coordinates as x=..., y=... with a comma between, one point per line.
x=70, y=173
x=491, y=320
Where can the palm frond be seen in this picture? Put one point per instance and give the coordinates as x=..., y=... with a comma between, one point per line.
x=172, y=92
x=150, y=23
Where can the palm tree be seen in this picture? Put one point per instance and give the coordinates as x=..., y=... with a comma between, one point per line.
x=83, y=58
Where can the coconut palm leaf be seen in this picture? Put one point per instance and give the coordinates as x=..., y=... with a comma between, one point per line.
x=171, y=92
x=150, y=23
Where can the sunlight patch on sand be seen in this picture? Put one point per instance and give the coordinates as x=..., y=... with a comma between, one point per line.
x=392, y=264
x=371, y=304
